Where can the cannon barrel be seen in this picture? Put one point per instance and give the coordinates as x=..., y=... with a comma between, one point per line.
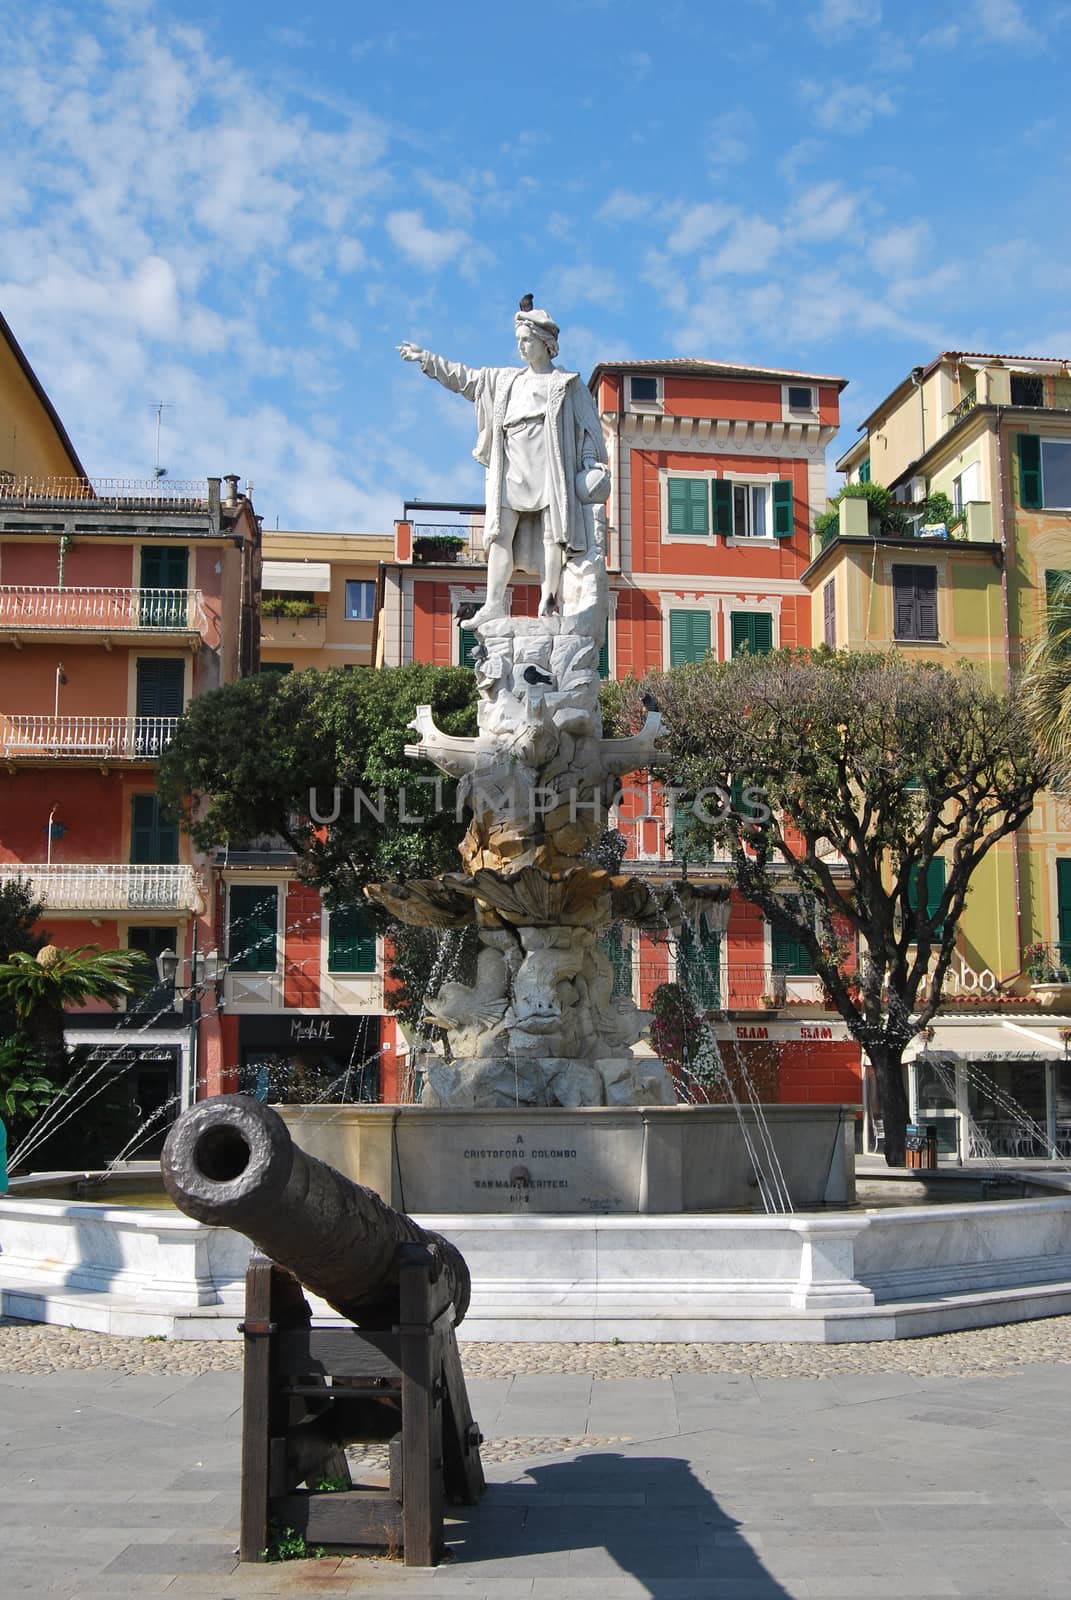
x=230, y=1161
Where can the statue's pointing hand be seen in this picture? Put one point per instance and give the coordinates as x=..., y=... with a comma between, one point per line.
x=410, y=351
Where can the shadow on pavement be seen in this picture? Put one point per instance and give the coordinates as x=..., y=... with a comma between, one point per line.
x=602, y=1516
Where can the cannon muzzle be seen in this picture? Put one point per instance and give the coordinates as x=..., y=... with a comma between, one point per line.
x=230, y=1161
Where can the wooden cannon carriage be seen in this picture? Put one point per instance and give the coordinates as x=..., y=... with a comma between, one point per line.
x=311, y=1389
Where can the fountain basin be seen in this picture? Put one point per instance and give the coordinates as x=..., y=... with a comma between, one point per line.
x=592, y=1160
x=828, y=1276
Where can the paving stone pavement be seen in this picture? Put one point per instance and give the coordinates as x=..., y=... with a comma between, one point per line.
x=680, y=1485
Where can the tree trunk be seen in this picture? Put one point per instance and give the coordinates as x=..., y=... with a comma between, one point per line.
x=892, y=1100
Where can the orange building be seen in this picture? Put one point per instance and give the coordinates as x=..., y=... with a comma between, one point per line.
x=119, y=603
x=718, y=473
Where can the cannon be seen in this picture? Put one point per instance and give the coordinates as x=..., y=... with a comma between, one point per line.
x=311, y=1389
x=230, y=1161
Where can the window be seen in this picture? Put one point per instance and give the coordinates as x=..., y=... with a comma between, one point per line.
x=467, y=642
x=751, y=631
x=689, y=505
x=787, y=953
x=689, y=637
x=252, y=923
x=1058, y=606
x=279, y=669
x=699, y=964
x=360, y=600
x=935, y=888
x=164, y=577
x=965, y=487
x=683, y=835
x=616, y=945
x=604, y=652
x=1044, y=472
x=829, y=613
x=914, y=602
x=1063, y=908
x=154, y=838
x=644, y=391
x=152, y=942
x=158, y=695
x=757, y=510
x=800, y=397
x=864, y=471
x=1027, y=389
x=351, y=941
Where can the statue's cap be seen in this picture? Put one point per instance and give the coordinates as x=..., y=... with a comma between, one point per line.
x=540, y=322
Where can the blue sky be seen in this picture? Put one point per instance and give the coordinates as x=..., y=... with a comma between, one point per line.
x=240, y=210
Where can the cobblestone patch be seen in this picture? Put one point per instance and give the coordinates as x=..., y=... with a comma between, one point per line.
x=373, y=1457
x=37, y=1347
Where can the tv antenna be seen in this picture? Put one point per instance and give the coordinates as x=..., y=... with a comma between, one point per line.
x=160, y=407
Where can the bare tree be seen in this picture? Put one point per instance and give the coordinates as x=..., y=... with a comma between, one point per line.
x=837, y=780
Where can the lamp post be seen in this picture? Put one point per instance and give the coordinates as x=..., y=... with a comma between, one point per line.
x=206, y=970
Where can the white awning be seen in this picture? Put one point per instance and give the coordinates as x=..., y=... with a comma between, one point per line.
x=314, y=576
x=994, y=1039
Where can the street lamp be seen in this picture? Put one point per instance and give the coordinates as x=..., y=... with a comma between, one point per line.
x=205, y=971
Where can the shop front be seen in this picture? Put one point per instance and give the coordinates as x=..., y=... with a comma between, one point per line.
x=297, y=1058
x=994, y=1088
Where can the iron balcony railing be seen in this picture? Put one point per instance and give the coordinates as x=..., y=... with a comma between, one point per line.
x=968, y=403
x=82, y=737
x=33, y=607
x=108, y=886
x=459, y=544
x=164, y=494
x=1049, y=963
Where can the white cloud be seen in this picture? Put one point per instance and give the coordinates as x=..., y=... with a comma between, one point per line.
x=750, y=246
x=836, y=18
x=728, y=139
x=1003, y=21
x=430, y=248
x=694, y=225
x=897, y=250
x=848, y=107
x=824, y=211
x=622, y=205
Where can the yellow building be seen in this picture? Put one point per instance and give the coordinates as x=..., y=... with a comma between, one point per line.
x=33, y=440
x=319, y=597
x=993, y=434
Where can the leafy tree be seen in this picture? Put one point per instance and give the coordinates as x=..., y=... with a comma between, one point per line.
x=872, y=768
x=39, y=988
x=1047, y=683
x=25, y=1090
x=19, y=910
x=247, y=757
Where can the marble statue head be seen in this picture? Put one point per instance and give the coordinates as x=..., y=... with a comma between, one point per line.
x=539, y=323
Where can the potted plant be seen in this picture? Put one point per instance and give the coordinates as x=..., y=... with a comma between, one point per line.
x=1050, y=976
x=429, y=548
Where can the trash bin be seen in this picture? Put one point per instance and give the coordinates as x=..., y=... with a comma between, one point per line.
x=921, y=1147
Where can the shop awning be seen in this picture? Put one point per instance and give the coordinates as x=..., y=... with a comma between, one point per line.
x=994, y=1039
x=312, y=576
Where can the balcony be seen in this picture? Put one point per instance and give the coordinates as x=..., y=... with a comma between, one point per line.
x=425, y=541
x=957, y=413
x=103, y=494
x=293, y=629
x=38, y=613
x=84, y=738
x=109, y=887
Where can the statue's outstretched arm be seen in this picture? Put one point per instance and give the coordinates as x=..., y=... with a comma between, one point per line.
x=451, y=374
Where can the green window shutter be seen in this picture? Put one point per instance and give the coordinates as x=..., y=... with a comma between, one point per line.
x=782, y=509
x=252, y=923
x=864, y=471
x=788, y=955
x=159, y=689
x=163, y=567
x=689, y=636
x=604, y=652
x=466, y=644
x=351, y=941
x=699, y=965
x=618, y=949
x=154, y=839
x=1030, y=484
x=1063, y=908
x=723, y=507
x=935, y=888
x=753, y=631
x=688, y=505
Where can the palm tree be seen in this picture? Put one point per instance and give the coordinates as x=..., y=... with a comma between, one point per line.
x=1047, y=682
x=40, y=988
